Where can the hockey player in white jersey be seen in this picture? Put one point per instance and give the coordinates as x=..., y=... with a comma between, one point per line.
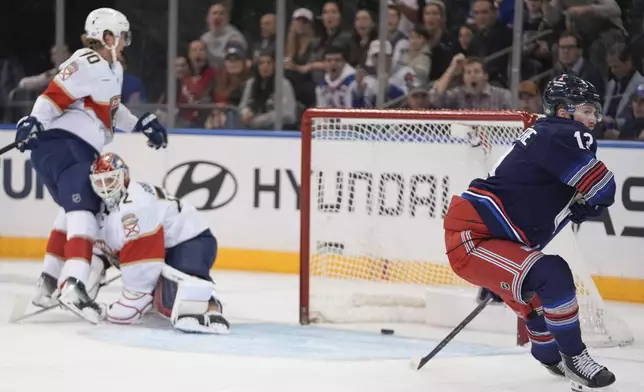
x=165, y=251
x=68, y=126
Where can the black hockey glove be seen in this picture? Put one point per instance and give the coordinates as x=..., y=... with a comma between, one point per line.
x=152, y=128
x=485, y=293
x=580, y=211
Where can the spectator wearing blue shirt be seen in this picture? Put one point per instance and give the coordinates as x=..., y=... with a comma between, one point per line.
x=132, y=91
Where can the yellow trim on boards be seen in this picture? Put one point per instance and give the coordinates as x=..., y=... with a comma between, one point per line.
x=610, y=287
x=227, y=258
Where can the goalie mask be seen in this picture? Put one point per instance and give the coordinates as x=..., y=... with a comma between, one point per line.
x=110, y=177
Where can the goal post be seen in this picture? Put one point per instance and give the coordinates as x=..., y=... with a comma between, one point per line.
x=375, y=187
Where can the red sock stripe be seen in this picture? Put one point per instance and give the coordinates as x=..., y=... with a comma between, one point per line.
x=561, y=316
x=540, y=338
x=79, y=248
x=56, y=243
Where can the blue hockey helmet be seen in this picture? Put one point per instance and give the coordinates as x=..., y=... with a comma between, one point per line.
x=570, y=91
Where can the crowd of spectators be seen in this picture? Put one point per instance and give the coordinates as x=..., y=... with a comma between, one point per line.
x=438, y=55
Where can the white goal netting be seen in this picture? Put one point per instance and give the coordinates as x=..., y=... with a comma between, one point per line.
x=381, y=182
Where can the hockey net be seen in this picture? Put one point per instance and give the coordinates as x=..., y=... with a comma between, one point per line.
x=375, y=187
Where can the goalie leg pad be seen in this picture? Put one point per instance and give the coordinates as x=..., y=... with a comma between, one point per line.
x=164, y=294
x=191, y=303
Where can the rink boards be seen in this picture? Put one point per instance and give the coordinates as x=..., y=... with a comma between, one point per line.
x=247, y=184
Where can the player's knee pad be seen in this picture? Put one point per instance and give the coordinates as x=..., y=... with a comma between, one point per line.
x=551, y=278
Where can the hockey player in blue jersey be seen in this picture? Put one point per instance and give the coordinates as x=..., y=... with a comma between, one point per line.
x=496, y=229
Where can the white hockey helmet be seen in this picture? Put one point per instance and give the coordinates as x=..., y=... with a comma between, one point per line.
x=108, y=19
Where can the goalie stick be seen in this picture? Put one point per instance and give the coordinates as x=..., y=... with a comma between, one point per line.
x=21, y=304
x=454, y=332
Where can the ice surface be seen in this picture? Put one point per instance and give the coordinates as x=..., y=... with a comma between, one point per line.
x=267, y=350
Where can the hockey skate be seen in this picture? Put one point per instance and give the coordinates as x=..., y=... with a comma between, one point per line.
x=212, y=321
x=556, y=369
x=73, y=296
x=45, y=288
x=585, y=374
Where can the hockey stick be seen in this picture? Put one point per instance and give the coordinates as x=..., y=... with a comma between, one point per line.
x=20, y=307
x=8, y=147
x=454, y=332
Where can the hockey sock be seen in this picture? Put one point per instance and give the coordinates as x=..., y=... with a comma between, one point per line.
x=542, y=344
x=553, y=282
x=55, y=252
x=81, y=231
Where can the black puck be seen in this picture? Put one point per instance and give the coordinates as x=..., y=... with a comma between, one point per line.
x=387, y=331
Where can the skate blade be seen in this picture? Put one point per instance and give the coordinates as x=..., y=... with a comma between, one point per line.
x=577, y=387
x=193, y=326
x=19, y=309
x=86, y=313
x=21, y=304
